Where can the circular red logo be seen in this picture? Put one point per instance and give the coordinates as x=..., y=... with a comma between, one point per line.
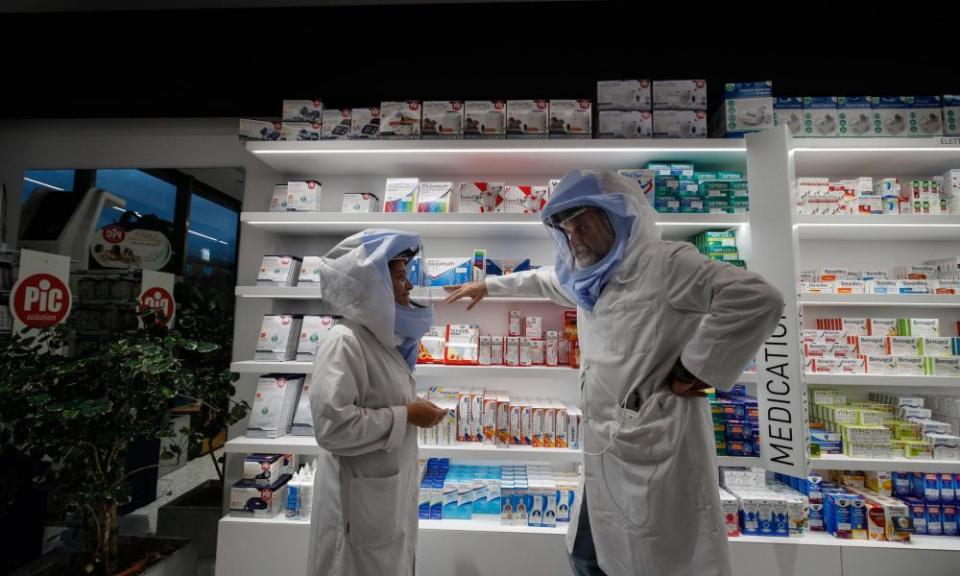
x=160, y=300
x=541, y=104
x=457, y=105
x=499, y=104
x=114, y=234
x=41, y=300
x=700, y=83
x=345, y=113
x=311, y=184
x=701, y=115
x=414, y=105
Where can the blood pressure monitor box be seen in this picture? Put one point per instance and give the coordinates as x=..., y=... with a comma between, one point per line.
x=820, y=117
x=624, y=95
x=891, y=115
x=679, y=124
x=855, y=116
x=336, y=124
x=571, y=119
x=365, y=123
x=442, y=119
x=680, y=95
x=628, y=124
x=400, y=120
x=527, y=119
x=484, y=119
x=302, y=110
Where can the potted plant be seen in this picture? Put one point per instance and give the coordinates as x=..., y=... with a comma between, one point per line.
x=203, y=316
x=79, y=414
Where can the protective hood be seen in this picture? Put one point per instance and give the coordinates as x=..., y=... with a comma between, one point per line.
x=630, y=215
x=355, y=279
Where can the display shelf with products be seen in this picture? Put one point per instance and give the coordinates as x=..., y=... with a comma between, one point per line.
x=843, y=462
x=884, y=227
x=461, y=225
x=492, y=158
x=951, y=383
x=887, y=300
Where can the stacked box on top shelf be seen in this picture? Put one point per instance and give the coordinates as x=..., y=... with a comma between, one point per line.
x=680, y=109
x=624, y=109
x=936, y=277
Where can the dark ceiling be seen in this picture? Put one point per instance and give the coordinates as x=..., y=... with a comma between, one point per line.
x=243, y=62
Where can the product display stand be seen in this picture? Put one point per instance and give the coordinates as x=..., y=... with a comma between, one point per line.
x=773, y=241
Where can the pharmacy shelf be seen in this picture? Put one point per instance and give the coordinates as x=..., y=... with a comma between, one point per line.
x=458, y=225
x=282, y=445
x=886, y=227
x=883, y=381
x=279, y=292
x=944, y=543
x=484, y=452
x=841, y=462
x=845, y=157
x=437, y=294
x=739, y=461
x=489, y=158
x=490, y=524
x=255, y=367
x=894, y=300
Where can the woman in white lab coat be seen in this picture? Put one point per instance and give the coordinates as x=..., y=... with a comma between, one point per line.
x=364, y=406
x=658, y=322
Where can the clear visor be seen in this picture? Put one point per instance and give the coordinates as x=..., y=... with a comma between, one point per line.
x=418, y=290
x=583, y=235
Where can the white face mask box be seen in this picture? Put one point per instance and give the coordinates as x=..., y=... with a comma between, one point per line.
x=302, y=110
x=400, y=120
x=480, y=197
x=926, y=117
x=527, y=118
x=442, y=119
x=336, y=124
x=855, y=117
x=365, y=123
x=624, y=124
x=484, y=119
x=260, y=130
x=278, y=335
x=680, y=95
x=302, y=131
x=309, y=270
x=362, y=203
x=312, y=331
x=820, y=117
x=571, y=119
x=788, y=111
x=435, y=197
x=624, y=95
x=278, y=271
x=524, y=199
x=747, y=107
x=303, y=196
x=891, y=115
x=679, y=124
x=401, y=195
x=951, y=115
x=279, y=201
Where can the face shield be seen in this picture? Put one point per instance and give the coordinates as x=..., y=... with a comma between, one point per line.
x=583, y=235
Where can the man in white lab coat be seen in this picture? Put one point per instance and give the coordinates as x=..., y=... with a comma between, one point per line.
x=365, y=410
x=658, y=323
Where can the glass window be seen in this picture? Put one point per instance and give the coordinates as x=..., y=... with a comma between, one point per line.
x=53, y=179
x=145, y=194
x=212, y=231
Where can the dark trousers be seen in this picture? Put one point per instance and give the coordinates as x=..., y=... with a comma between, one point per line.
x=583, y=559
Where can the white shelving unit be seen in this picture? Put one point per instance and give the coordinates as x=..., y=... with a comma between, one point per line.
x=877, y=227
x=941, y=382
x=518, y=226
x=739, y=461
x=889, y=300
x=346, y=166
x=490, y=158
x=841, y=462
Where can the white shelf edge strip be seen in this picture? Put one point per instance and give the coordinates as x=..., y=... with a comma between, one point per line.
x=944, y=543
x=531, y=150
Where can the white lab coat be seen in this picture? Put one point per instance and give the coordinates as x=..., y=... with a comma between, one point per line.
x=364, y=520
x=653, y=500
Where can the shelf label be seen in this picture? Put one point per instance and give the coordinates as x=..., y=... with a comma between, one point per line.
x=953, y=141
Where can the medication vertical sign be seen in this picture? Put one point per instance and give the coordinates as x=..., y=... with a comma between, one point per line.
x=41, y=297
x=781, y=393
x=156, y=294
